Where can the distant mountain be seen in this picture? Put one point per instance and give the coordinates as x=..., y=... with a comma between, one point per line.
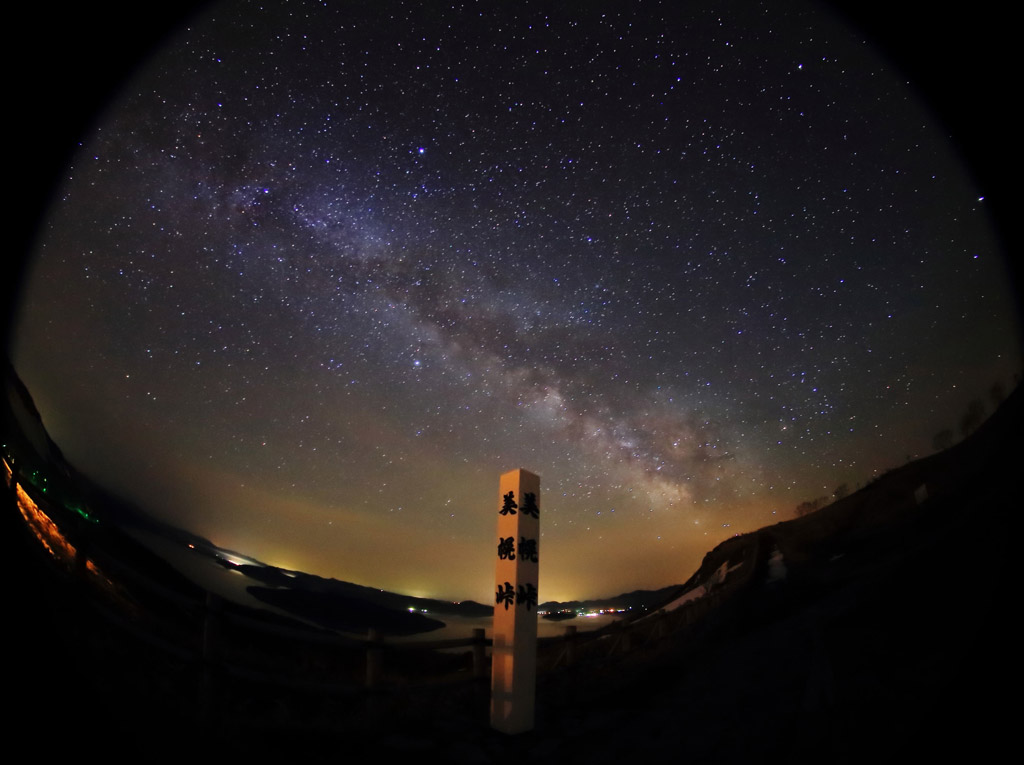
x=38, y=461
x=297, y=580
x=354, y=608
x=990, y=448
x=346, y=614
x=332, y=603
x=637, y=601
x=350, y=607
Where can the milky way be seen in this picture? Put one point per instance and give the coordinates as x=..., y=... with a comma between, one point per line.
x=320, y=275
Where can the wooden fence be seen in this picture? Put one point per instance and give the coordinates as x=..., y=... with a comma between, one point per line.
x=201, y=630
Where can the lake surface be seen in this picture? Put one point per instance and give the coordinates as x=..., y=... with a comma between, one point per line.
x=233, y=585
x=461, y=626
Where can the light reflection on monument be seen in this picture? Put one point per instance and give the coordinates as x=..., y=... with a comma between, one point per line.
x=514, y=653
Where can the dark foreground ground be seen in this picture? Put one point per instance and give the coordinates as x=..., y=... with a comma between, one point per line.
x=888, y=640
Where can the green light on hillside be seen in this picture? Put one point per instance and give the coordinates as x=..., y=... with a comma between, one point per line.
x=82, y=512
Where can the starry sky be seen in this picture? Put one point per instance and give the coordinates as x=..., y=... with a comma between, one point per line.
x=320, y=272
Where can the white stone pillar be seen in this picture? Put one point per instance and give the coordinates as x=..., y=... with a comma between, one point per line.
x=514, y=651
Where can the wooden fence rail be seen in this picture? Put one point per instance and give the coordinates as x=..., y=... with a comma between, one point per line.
x=204, y=630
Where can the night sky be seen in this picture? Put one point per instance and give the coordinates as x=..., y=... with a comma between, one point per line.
x=322, y=272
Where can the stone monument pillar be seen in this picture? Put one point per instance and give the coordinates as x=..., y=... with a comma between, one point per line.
x=514, y=651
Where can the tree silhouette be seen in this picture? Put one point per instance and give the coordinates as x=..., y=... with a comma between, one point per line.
x=942, y=440
x=806, y=508
x=997, y=393
x=972, y=417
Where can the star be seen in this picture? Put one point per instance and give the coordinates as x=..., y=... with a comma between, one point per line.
x=641, y=258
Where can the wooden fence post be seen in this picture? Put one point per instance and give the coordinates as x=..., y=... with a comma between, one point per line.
x=212, y=607
x=479, y=654
x=570, y=645
x=374, y=658
x=211, y=627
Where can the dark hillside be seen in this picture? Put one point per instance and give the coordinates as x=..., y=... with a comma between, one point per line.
x=887, y=638
x=890, y=636
x=877, y=628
